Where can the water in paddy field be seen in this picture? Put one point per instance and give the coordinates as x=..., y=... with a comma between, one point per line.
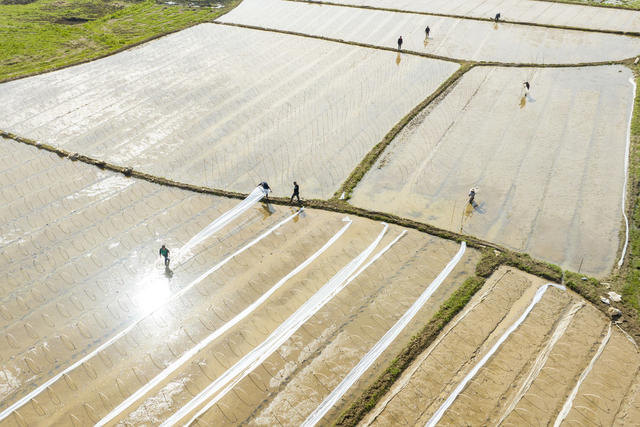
x=449, y=37
x=536, y=175
x=529, y=376
x=108, y=306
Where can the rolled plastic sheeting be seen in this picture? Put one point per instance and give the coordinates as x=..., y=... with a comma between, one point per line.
x=568, y=404
x=626, y=176
x=384, y=342
x=216, y=225
x=151, y=310
x=454, y=395
x=259, y=354
x=218, y=332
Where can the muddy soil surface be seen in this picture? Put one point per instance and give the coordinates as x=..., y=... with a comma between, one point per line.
x=81, y=265
x=565, y=363
x=535, y=12
x=227, y=107
x=453, y=38
x=548, y=164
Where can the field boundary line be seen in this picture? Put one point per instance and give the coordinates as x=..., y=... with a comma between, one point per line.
x=460, y=61
x=352, y=181
x=435, y=418
x=42, y=387
x=545, y=270
x=383, y=343
x=477, y=18
x=600, y=5
x=626, y=173
x=217, y=389
x=138, y=394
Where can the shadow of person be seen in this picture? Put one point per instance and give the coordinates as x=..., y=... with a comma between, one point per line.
x=267, y=210
x=398, y=59
x=495, y=26
x=523, y=101
x=426, y=41
x=479, y=208
x=168, y=272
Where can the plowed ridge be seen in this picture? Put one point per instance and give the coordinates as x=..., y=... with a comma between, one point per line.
x=486, y=371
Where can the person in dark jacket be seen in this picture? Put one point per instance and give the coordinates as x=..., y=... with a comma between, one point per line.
x=296, y=192
x=400, y=43
x=265, y=188
x=472, y=195
x=427, y=31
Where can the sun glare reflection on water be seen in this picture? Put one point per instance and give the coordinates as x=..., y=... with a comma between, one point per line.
x=153, y=291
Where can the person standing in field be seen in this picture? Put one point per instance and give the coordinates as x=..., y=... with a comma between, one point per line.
x=165, y=253
x=527, y=86
x=427, y=31
x=497, y=17
x=265, y=188
x=400, y=43
x=472, y=195
x=296, y=192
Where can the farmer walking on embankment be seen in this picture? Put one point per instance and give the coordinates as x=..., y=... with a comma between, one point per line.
x=296, y=192
x=265, y=188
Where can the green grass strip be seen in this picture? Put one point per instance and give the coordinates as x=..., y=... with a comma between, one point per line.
x=46, y=35
x=370, y=159
x=418, y=343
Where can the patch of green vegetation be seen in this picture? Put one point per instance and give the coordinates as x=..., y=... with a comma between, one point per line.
x=370, y=159
x=492, y=259
x=42, y=35
x=629, y=277
x=588, y=287
x=416, y=346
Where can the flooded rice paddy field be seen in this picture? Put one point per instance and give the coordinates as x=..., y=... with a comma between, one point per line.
x=271, y=311
x=274, y=315
x=534, y=12
x=454, y=38
x=226, y=107
x=549, y=166
x=563, y=363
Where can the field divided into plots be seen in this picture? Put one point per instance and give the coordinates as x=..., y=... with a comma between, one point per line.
x=527, y=12
x=271, y=314
x=83, y=283
x=462, y=39
x=549, y=165
x=226, y=107
x=562, y=363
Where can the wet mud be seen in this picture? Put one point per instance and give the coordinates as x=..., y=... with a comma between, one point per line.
x=460, y=39
x=247, y=106
x=550, y=173
x=530, y=377
x=80, y=249
x=532, y=12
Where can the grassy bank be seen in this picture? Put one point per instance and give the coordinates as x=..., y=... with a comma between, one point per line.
x=42, y=35
x=628, y=279
x=416, y=346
